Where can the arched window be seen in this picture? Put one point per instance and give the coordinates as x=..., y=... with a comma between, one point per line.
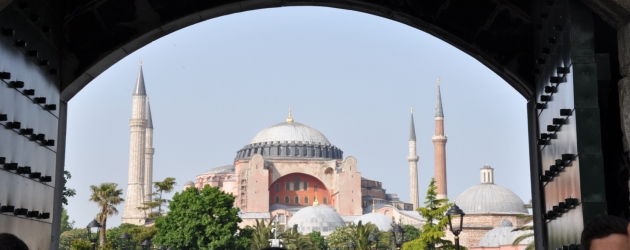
x=287, y=185
x=325, y=200
x=315, y=187
x=277, y=199
x=297, y=200
x=277, y=187
x=286, y=200
x=306, y=185
x=306, y=200
x=296, y=183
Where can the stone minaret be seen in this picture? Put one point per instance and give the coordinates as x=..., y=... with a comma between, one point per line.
x=148, y=157
x=138, y=125
x=413, y=166
x=439, y=142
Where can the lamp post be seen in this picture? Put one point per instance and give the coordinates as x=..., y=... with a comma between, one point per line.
x=398, y=233
x=124, y=237
x=373, y=239
x=146, y=245
x=351, y=245
x=454, y=213
x=93, y=224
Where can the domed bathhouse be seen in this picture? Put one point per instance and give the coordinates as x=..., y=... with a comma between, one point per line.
x=488, y=207
x=501, y=238
x=284, y=169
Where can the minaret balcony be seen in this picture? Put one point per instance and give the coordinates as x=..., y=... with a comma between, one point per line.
x=439, y=138
x=413, y=158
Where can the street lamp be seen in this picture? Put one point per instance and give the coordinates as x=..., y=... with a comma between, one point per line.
x=454, y=213
x=373, y=239
x=162, y=247
x=93, y=224
x=146, y=245
x=398, y=234
x=351, y=245
x=124, y=237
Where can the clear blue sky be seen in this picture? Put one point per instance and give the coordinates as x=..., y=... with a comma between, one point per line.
x=351, y=75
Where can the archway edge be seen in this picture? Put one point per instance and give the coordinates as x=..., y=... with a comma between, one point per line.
x=107, y=59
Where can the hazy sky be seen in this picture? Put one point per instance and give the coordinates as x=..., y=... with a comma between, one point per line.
x=214, y=85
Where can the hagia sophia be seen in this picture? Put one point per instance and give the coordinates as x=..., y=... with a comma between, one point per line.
x=291, y=173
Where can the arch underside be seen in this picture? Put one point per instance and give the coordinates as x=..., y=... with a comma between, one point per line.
x=98, y=34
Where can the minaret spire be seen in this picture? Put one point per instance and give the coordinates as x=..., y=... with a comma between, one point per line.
x=439, y=143
x=148, y=156
x=138, y=126
x=438, y=106
x=413, y=166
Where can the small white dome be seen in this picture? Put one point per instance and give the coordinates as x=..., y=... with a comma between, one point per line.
x=381, y=221
x=189, y=183
x=290, y=131
x=320, y=218
x=499, y=236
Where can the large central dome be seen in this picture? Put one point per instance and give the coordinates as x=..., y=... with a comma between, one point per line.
x=290, y=132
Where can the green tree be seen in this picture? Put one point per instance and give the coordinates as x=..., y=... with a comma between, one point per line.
x=138, y=235
x=66, y=238
x=293, y=240
x=318, y=240
x=67, y=192
x=527, y=229
x=200, y=219
x=339, y=238
x=80, y=244
x=433, y=231
x=66, y=225
x=411, y=232
x=106, y=196
x=161, y=187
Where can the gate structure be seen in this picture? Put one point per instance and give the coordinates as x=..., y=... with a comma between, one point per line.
x=566, y=57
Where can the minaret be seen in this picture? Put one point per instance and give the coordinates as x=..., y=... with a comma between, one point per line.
x=413, y=166
x=439, y=142
x=138, y=125
x=148, y=156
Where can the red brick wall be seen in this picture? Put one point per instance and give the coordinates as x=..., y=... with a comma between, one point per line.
x=322, y=191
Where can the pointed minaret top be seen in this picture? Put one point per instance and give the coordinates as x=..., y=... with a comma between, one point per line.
x=290, y=119
x=149, y=118
x=438, y=106
x=412, y=130
x=139, y=89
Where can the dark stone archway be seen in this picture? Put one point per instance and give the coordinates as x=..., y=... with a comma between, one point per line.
x=70, y=42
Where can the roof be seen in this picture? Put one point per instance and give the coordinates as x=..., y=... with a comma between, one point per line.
x=438, y=105
x=321, y=218
x=490, y=198
x=149, y=117
x=189, y=183
x=290, y=131
x=227, y=169
x=255, y=215
x=412, y=130
x=383, y=222
x=139, y=89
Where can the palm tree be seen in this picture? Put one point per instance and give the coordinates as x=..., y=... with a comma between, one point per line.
x=293, y=240
x=360, y=234
x=106, y=196
x=527, y=229
x=262, y=234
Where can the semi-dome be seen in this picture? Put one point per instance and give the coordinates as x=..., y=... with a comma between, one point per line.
x=289, y=132
x=320, y=218
x=489, y=198
x=499, y=236
x=381, y=221
x=227, y=169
